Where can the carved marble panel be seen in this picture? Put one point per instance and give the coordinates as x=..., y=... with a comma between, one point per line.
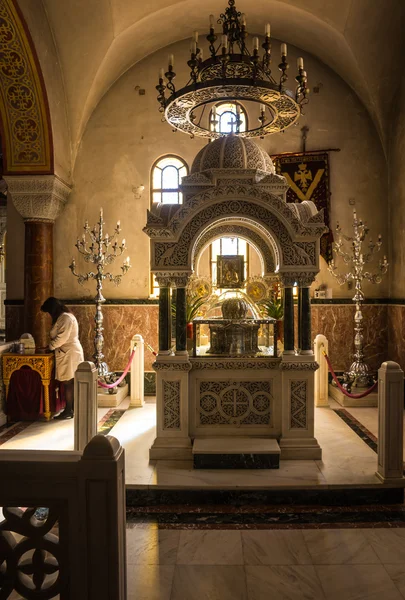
x=235, y=403
x=171, y=404
x=298, y=404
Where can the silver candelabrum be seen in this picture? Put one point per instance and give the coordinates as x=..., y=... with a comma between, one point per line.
x=102, y=251
x=358, y=374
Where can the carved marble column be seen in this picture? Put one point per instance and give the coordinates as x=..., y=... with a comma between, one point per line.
x=39, y=200
x=165, y=316
x=299, y=315
x=288, y=320
x=304, y=324
x=180, y=282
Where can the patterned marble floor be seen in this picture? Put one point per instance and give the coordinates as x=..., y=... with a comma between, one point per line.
x=347, y=459
x=220, y=561
x=367, y=564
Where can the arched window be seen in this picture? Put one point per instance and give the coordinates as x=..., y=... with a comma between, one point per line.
x=166, y=179
x=224, y=117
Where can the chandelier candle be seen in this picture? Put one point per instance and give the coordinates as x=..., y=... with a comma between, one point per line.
x=358, y=374
x=103, y=250
x=232, y=72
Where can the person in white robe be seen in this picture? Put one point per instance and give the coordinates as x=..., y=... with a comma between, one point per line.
x=66, y=345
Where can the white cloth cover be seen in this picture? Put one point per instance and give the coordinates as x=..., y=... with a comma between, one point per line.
x=68, y=350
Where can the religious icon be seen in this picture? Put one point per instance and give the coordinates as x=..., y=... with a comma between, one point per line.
x=230, y=270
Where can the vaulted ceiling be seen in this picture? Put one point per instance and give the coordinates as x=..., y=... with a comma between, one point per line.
x=96, y=41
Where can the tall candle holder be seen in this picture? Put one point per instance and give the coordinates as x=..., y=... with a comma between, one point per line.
x=102, y=251
x=358, y=374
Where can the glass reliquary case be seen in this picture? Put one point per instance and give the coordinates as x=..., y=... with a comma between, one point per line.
x=234, y=327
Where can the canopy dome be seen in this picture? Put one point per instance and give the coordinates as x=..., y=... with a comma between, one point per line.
x=232, y=152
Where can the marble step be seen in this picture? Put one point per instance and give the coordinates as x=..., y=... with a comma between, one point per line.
x=107, y=400
x=370, y=400
x=236, y=453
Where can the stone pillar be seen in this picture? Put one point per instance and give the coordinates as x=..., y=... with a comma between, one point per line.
x=85, y=395
x=180, y=282
x=181, y=321
x=390, y=422
x=38, y=278
x=299, y=316
x=304, y=325
x=321, y=375
x=3, y=231
x=297, y=440
x=288, y=320
x=137, y=371
x=165, y=314
x=39, y=200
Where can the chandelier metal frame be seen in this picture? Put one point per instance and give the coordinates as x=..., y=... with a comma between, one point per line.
x=232, y=73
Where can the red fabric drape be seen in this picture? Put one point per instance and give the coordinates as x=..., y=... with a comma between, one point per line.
x=25, y=400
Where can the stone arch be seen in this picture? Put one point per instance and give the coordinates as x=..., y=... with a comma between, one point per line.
x=25, y=118
x=235, y=191
x=244, y=229
x=177, y=254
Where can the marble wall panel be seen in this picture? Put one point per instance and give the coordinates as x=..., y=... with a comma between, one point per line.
x=396, y=334
x=384, y=331
x=121, y=323
x=336, y=322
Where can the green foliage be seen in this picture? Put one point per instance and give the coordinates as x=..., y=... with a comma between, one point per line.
x=272, y=308
x=193, y=307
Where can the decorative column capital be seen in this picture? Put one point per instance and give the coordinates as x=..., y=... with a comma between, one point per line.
x=302, y=279
x=180, y=280
x=163, y=279
x=38, y=197
x=175, y=278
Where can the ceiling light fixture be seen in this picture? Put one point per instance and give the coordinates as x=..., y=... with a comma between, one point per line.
x=232, y=73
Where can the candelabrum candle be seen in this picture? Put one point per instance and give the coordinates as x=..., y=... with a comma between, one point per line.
x=99, y=254
x=283, y=49
x=267, y=30
x=212, y=21
x=224, y=41
x=300, y=63
x=358, y=374
x=255, y=43
x=171, y=60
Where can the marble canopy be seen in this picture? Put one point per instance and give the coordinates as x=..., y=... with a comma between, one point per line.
x=233, y=189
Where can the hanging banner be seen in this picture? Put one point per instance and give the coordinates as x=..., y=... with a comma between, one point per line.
x=307, y=174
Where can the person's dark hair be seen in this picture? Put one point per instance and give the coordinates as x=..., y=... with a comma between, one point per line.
x=55, y=308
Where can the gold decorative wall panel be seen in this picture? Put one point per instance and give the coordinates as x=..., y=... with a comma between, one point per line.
x=26, y=130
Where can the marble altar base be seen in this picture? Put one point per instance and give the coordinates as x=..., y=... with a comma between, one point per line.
x=368, y=401
x=106, y=400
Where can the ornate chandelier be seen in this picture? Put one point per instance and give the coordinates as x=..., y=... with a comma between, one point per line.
x=232, y=72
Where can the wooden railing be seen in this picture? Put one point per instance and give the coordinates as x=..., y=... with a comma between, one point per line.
x=76, y=549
